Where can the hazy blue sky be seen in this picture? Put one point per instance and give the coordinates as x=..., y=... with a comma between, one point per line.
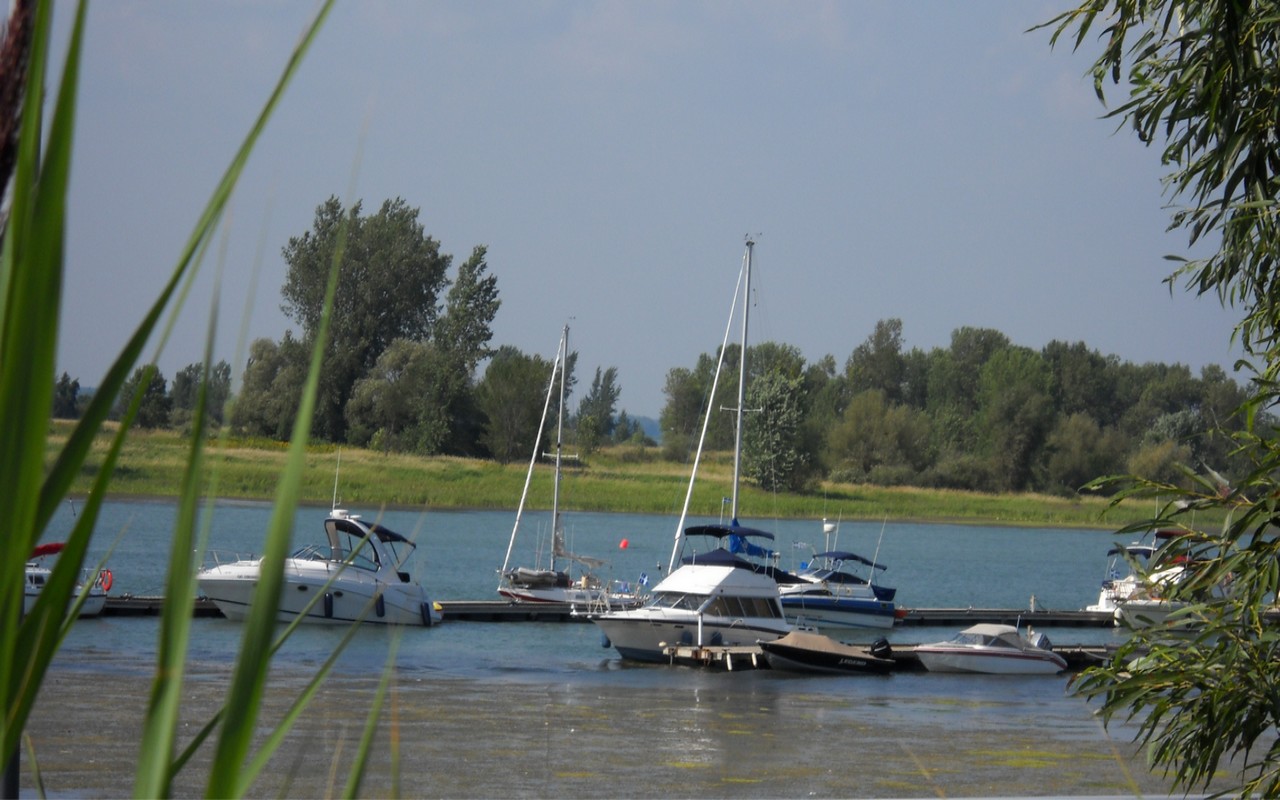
x=932, y=162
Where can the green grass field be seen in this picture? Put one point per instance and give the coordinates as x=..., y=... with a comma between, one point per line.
x=623, y=479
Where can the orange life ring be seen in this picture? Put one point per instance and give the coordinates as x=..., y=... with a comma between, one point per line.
x=105, y=580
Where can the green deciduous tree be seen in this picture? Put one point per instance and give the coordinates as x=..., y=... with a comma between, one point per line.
x=595, y=420
x=878, y=363
x=772, y=454
x=154, y=410
x=272, y=388
x=1201, y=81
x=511, y=396
x=66, y=395
x=390, y=278
x=186, y=385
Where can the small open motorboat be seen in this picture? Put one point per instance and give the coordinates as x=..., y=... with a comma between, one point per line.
x=803, y=651
x=992, y=649
x=356, y=577
x=38, y=575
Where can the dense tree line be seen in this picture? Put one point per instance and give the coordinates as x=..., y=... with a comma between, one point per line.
x=407, y=366
x=982, y=414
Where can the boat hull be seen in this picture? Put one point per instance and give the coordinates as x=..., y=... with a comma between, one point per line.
x=645, y=634
x=807, y=652
x=936, y=658
x=836, y=613
x=352, y=598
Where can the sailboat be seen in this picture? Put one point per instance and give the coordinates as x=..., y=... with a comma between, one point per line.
x=568, y=577
x=727, y=596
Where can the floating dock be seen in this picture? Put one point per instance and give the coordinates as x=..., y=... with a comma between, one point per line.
x=510, y=611
x=729, y=658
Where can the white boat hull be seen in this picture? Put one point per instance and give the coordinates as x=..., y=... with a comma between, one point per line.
x=989, y=663
x=355, y=597
x=645, y=634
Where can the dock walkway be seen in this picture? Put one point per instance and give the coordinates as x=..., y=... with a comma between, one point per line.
x=509, y=611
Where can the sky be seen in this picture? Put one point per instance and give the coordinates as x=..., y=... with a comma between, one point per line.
x=931, y=162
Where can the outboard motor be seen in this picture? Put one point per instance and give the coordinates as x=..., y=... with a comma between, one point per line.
x=880, y=648
x=1038, y=639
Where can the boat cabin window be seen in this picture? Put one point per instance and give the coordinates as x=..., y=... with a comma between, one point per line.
x=727, y=606
x=678, y=600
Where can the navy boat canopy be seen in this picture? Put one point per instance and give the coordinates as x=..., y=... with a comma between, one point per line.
x=348, y=525
x=843, y=555
x=721, y=531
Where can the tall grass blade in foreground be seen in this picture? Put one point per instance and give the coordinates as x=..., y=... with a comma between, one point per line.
x=31, y=268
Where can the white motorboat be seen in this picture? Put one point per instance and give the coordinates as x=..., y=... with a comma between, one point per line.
x=1123, y=577
x=567, y=577
x=717, y=598
x=37, y=576
x=832, y=596
x=1141, y=577
x=992, y=649
x=356, y=577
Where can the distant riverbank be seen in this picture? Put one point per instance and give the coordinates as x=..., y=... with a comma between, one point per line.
x=624, y=479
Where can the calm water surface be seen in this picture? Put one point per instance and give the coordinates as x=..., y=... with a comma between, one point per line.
x=536, y=709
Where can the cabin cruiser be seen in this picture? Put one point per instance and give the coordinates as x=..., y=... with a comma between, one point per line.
x=830, y=596
x=992, y=649
x=714, y=599
x=355, y=577
x=725, y=597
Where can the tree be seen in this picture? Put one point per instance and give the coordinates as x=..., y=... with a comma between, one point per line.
x=1203, y=82
x=595, y=413
x=511, y=396
x=272, y=388
x=66, y=394
x=770, y=452
x=384, y=409
x=186, y=385
x=878, y=441
x=1016, y=414
x=878, y=363
x=390, y=277
x=153, y=412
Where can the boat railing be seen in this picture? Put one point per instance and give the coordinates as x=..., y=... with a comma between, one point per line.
x=221, y=558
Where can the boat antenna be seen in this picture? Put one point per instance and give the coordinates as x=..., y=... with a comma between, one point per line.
x=336, y=470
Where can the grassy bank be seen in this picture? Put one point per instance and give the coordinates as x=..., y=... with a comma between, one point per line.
x=624, y=479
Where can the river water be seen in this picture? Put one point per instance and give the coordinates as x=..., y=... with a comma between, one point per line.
x=542, y=709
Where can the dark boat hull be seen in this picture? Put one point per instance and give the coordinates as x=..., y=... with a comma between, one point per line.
x=808, y=652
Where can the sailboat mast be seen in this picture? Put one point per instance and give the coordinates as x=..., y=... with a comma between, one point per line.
x=563, y=358
x=742, y=380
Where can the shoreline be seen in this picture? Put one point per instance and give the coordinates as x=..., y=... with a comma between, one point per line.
x=996, y=522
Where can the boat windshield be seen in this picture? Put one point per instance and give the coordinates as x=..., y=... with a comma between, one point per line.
x=678, y=600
